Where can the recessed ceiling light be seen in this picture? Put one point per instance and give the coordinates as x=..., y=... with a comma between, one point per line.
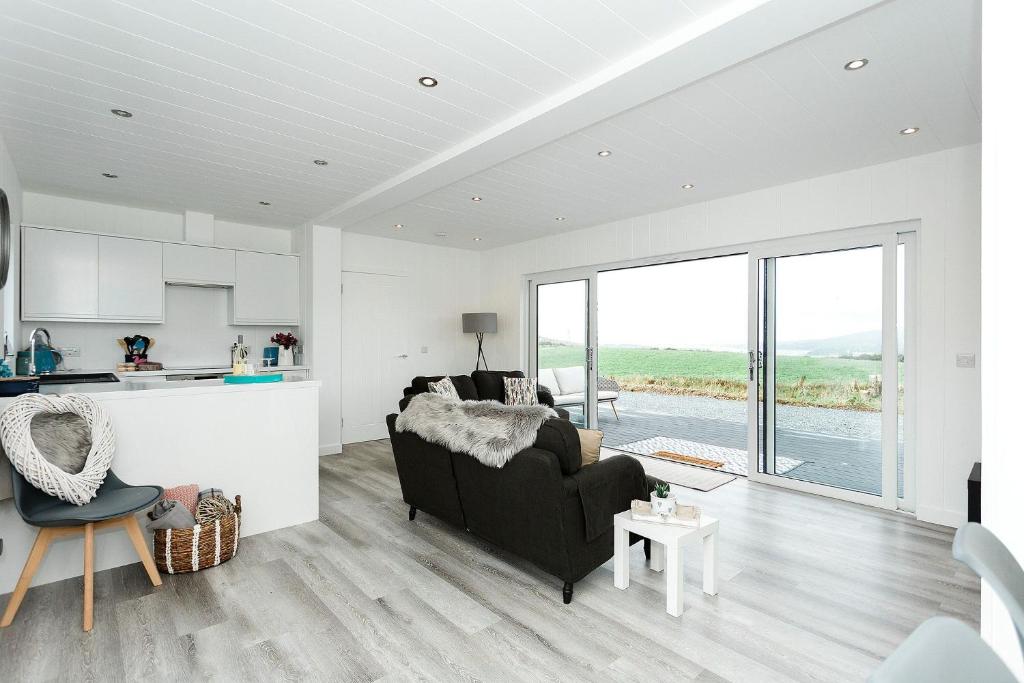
x=319, y=162
x=909, y=131
x=109, y=175
x=476, y=239
x=559, y=218
x=398, y=226
x=604, y=153
x=855, y=64
x=440, y=234
x=428, y=81
x=122, y=113
x=264, y=203
x=688, y=186
x=477, y=199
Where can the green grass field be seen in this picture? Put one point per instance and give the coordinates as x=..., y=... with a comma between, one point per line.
x=800, y=380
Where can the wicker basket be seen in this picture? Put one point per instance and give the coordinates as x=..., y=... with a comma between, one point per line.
x=177, y=551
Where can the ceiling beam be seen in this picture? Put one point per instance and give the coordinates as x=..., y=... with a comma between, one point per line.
x=737, y=32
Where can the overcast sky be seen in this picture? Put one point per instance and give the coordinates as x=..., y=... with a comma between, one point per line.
x=703, y=304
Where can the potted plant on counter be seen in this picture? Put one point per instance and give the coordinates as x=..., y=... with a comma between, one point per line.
x=663, y=501
x=287, y=342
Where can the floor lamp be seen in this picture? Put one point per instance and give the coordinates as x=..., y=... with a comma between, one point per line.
x=480, y=324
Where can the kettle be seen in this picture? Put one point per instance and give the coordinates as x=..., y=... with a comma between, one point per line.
x=46, y=361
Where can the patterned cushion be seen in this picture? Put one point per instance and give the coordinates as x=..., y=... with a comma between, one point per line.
x=444, y=387
x=520, y=391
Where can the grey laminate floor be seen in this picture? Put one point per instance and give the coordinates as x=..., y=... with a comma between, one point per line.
x=811, y=589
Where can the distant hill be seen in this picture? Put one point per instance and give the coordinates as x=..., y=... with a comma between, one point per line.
x=856, y=343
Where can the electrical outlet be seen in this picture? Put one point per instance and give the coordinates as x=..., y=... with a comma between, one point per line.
x=424, y=349
x=965, y=360
x=70, y=351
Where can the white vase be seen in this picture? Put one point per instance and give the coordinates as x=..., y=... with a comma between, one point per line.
x=663, y=506
x=285, y=357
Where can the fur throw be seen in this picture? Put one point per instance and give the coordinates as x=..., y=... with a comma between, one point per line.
x=489, y=431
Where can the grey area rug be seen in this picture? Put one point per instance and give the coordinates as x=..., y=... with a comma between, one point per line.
x=698, y=478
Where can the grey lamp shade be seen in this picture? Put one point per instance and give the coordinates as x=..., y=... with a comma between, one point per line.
x=479, y=322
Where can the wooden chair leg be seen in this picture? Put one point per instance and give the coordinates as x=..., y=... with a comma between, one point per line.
x=35, y=558
x=90, y=546
x=131, y=525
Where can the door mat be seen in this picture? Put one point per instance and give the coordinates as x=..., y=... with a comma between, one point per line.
x=689, y=459
x=735, y=459
x=698, y=478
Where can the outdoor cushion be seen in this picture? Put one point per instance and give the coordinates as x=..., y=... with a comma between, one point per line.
x=546, y=377
x=577, y=399
x=571, y=380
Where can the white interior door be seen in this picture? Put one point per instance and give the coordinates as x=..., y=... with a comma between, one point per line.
x=374, y=357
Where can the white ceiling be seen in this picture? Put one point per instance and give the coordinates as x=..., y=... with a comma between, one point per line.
x=233, y=99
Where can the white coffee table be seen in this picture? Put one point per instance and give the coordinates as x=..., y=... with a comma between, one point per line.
x=667, y=542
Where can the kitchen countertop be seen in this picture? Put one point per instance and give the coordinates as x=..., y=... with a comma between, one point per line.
x=150, y=388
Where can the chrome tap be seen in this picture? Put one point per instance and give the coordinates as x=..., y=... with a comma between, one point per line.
x=32, y=347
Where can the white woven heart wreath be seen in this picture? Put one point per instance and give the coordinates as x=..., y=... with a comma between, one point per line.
x=16, y=436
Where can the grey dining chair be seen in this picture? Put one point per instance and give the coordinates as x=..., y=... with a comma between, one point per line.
x=944, y=649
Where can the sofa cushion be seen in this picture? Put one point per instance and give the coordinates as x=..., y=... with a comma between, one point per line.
x=590, y=445
x=490, y=384
x=463, y=385
x=571, y=380
x=520, y=391
x=546, y=377
x=444, y=387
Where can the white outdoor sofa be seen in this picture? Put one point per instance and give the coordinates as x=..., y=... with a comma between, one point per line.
x=568, y=387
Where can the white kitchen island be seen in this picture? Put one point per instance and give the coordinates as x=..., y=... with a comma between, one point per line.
x=259, y=441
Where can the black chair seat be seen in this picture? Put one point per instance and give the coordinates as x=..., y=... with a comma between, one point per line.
x=113, y=499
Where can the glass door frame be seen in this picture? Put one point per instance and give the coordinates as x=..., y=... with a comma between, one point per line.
x=589, y=276
x=887, y=237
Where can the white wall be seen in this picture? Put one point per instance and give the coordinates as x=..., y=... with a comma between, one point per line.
x=197, y=329
x=942, y=190
x=12, y=187
x=1002, y=292
x=321, y=250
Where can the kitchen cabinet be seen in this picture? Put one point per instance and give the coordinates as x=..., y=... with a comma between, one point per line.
x=60, y=275
x=131, y=283
x=266, y=289
x=195, y=265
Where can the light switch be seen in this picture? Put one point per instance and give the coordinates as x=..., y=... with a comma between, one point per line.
x=965, y=360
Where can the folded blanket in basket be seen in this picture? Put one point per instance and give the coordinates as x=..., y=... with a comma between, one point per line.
x=170, y=514
x=209, y=493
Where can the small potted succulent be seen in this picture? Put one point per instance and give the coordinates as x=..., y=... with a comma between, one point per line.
x=663, y=501
x=287, y=342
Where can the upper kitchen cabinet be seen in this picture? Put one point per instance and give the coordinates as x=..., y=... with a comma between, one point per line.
x=59, y=275
x=131, y=285
x=266, y=289
x=194, y=265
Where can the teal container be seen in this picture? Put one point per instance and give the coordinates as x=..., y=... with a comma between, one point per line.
x=253, y=379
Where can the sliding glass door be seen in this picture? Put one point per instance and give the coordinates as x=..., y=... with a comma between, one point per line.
x=825, y=364
x=561, y=350
x=818, y=398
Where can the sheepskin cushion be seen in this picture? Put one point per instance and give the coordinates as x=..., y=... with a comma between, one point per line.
x=62, y=438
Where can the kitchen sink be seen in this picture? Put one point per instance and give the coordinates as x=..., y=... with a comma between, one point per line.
x=78, y=378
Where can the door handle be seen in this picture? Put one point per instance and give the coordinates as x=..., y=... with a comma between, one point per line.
x=751, y=364
x=402, y=355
